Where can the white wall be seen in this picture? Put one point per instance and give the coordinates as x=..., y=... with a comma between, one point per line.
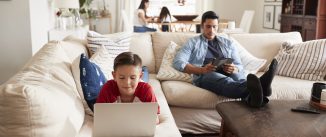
x=257, y=24
x=41, y=20
x=15, y=37
x=233, y=10
x=20, y=37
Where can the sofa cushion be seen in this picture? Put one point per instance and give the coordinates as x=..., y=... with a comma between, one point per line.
x=166, y=71
x=162, y=40
x=42, y=99
x=197, y=120
x=183, y=94
x=305, y=60
x=167, y=126
x=74, y=46
x=141, y=44
x=95, y=83
x=114, y=43
x=265, y=45
x=286, y=88
x=105, y=61
x=251, y=64
x=91, y=79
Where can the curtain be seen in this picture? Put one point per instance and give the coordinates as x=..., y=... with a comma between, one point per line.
x=129, y=6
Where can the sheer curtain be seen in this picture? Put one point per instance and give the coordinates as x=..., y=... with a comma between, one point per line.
x=129, y=6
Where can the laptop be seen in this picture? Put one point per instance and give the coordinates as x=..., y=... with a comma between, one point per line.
x=124, y=119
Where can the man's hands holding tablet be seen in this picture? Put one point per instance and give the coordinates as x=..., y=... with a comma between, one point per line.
x=226, y=64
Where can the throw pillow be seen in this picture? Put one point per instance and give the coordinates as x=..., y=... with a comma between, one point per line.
x=114, y=43
x=251, y=64
x=89, y=80
x=305, y=60
x=104, y=60
x=166, y=71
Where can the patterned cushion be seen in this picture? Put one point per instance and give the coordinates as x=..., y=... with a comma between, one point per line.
x=89, y=79
x=166, y=71
x=105, y=61
x=114, y=43
x=305, y=60
x=250, y=63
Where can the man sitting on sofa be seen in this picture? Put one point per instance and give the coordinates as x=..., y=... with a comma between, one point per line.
x=197, y=55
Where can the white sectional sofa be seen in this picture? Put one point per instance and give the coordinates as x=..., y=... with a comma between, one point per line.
x=42, y=99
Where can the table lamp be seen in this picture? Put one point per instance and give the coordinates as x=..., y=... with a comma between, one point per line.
x=66, y=18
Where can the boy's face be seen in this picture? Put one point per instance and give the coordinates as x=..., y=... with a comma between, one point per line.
x=127, y=78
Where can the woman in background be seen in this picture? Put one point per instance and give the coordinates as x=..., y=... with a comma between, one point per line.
x=165, y=17
x=141, y=19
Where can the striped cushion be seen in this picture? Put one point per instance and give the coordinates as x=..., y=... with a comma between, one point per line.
x=305, y=60
x=166, y=71
x=105, y=61
x=114, y=43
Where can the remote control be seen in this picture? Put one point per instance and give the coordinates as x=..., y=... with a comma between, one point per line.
x=306, y=110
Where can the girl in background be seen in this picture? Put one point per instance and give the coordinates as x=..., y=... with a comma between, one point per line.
x=165, y=17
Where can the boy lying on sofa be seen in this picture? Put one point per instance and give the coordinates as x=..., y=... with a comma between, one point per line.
x=126, y=85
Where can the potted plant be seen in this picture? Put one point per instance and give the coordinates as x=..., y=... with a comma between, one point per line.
x=84, y=7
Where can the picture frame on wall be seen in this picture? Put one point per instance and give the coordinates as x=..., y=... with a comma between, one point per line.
x=268, y=20
x=277, y=17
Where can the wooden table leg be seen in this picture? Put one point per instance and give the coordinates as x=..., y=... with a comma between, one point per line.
x=222, y=129
x=225, y=131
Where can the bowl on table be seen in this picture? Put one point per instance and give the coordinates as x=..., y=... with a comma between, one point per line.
x=185, y=17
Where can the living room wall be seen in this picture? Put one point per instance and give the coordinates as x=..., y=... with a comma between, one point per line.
x=233, y=9
x=24, y=25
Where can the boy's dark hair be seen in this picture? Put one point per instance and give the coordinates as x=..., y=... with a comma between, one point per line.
x=127, y=58
x=208, y=15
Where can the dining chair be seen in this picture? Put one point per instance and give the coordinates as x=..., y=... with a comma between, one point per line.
x=245, y=23
x=246, y=20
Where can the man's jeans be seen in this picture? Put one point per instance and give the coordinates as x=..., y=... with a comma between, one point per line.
x=233, y=86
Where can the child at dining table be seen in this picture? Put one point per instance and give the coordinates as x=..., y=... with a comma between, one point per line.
x=165, y=17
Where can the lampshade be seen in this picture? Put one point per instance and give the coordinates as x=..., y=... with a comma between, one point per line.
x=66, y=3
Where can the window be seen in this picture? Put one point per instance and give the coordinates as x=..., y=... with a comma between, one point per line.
x=176, y=7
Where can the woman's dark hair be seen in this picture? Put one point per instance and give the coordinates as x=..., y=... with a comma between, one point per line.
x=164, y=13
x=127, y=58
x=142, y=5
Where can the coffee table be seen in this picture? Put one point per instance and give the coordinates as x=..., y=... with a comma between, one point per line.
x=274, y=120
